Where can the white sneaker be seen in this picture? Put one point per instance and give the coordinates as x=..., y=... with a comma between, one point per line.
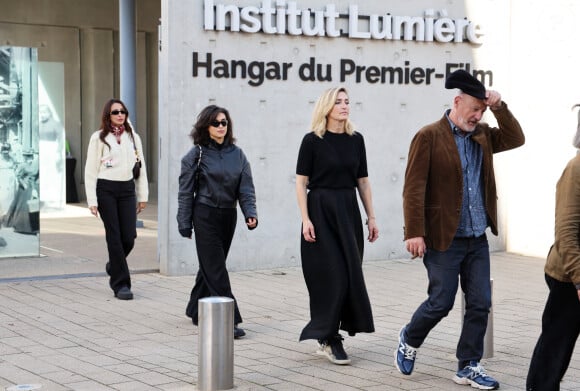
x=333, y=350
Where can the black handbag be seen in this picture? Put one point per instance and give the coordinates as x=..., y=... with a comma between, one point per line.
x=137, y=169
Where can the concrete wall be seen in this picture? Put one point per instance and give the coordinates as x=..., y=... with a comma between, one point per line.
x=271, y=118
x=545, y=83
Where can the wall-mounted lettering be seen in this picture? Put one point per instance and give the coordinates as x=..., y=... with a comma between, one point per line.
x=286, y=18
x=258, y=72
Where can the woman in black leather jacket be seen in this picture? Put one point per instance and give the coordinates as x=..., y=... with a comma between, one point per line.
x=215, y=175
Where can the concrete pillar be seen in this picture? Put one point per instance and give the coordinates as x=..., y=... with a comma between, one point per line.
x=127, y=57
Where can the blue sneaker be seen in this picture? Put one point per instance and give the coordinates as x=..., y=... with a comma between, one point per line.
x=405, y=355
x=474, y=375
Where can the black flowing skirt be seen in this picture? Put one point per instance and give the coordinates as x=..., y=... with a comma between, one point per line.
x=332, y=266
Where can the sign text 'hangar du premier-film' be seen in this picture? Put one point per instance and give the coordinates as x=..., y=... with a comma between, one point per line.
x=281, y=17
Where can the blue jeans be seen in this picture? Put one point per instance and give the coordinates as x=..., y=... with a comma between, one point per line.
x=467, y=260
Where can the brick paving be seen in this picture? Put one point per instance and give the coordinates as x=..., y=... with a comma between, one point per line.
x=68, y=332
x=72, y=334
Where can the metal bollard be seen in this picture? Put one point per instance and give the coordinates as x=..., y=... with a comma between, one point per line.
x=216, y=343
x=488, y=339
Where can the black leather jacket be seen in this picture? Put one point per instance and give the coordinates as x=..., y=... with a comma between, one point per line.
x=225, y=178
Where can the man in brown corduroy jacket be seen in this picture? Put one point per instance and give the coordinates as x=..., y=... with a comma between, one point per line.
x=449, y=200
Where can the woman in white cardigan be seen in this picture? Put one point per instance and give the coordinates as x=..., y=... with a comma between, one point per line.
x=114, y=191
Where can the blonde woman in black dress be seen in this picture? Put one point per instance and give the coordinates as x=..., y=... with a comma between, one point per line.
x=331, y=165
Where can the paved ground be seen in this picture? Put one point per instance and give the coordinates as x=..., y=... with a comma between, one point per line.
x=64, y=330
x=72, y=243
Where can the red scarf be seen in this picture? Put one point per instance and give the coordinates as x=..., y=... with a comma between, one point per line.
x=118, y=131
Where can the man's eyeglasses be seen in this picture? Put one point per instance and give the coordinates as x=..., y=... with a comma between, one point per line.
x=223, y=122
x=117, y=112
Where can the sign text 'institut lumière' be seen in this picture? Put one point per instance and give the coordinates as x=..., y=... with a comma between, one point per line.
x=281, y=17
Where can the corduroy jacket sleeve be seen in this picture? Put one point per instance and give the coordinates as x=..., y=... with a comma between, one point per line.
x=508, y=134
x=414, y=190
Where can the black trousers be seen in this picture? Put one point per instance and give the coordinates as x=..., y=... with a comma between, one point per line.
x=560, y=329
x=118, y=209
x=214, y=230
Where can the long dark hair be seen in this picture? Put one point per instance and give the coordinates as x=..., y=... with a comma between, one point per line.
x=106, y=126
x=200, y=131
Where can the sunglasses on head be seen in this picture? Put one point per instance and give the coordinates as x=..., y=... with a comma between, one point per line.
x=116, y=112
x=223, y=122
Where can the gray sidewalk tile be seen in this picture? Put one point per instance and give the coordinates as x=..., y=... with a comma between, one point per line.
x=133, y=386
x=72, y=334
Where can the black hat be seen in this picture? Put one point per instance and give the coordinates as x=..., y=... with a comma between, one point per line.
x=466, y=83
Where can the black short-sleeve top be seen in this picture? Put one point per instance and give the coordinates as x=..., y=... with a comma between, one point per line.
x=334, y=161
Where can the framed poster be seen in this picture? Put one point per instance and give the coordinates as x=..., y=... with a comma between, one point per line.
x=19, y=164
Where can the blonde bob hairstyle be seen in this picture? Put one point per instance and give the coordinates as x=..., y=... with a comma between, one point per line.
x=323, y=107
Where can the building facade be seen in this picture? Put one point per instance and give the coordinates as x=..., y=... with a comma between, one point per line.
x=268, y=60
